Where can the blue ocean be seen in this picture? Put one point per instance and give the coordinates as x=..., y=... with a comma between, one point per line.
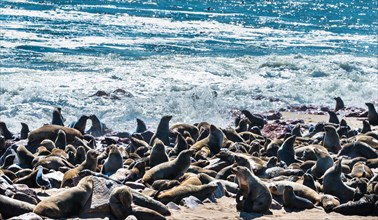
x=196, y=60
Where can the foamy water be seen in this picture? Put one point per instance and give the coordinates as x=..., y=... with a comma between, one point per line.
x=195, y=60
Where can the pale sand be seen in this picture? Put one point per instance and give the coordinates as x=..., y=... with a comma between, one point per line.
x=225, y=208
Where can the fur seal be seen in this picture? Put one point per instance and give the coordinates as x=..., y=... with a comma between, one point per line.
x=182, y=127
x=66, y=203
x=290, y=200
x=113, y=162
x=180, y=145
x=90, y=163
x=57, y=118
x=12, y=207
x=278, y=187
x=333, y=118
x=213, y=141
x=286, y=152
x=176, y=194
x=323, y=162
x=80, y=124
x=5, y=132
x=358, y=149
x=331, y=139
x=98, y=128
x=367, y=205
x=332, y=184
x=339, y=104
x=25, y=157
x=51, y=132
x=24, y=131
x=120, y=201
x=158, y=154
x=365, y=127
x=372, y=114
x=61, y=141
x=256, y=195
x=141, y=126
x=170, y=169
x=255, y=120
x=329, y=202
x=162, y=131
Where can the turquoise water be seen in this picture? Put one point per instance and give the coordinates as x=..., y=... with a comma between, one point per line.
x=197, y=60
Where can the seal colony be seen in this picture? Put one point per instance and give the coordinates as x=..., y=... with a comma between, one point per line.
x=262, y=162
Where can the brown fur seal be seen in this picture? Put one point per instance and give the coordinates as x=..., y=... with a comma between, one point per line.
x=213, y=141
x=80, y=124
x=24, y=131
x=12, y=207
x=90, y=163
x=57, y=118
x=61, y=141
x=256, y=195
x=113, y=162
x=176, y=194
x=339, y=104
x=51, y=132
x=25, y=157
x=323, y=162
x=365, y=127
x=182, y=127
x=358, y=149
x=120, y=201
x=290, y=200
x=329, y=202
x=158, y=154
x=372, y=114
x=162, y=131
x=333, y=118
x=141, y=126
x=278, y=187
x=181, y=144
x=255, y=120
x=367, y=205
x=5, y=132
x=332, y=184
x=286, y=152
x=170, y=169
x=331, y=139
x=66, y=203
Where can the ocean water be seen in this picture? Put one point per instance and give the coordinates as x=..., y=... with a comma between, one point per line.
x=194, y=59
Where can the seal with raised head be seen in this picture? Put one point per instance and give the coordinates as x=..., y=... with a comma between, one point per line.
x=98, y=128
x=57, y=118
x=5, y=131
x=162, y=131
x=66, y=203
x=89, y=163
x=372, y=114
x=24, y=131
x=255, y=120
x=331, y=139
x=286, y=151
x=256, y=195
x=120, y=201
x=213, y=141
x=113, y=162
x=332, y=184
x=80, y=124
x=339, y=104
x=323, y=161
x=170, y=169
x=158, y=154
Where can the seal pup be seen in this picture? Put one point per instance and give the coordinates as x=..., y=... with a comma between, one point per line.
x=5, y=131
x=80, y=124
x=339, y=104
x=170, y=169
x=290, y=200
x=372, y=114
x=158, y=154
x=89, y=163
x=66, y=203
x=331, y=139
x=24, y=131
x=162, y=131
x=113, y=162
x=57, y=118
x=256, y=195
x=332, y=183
